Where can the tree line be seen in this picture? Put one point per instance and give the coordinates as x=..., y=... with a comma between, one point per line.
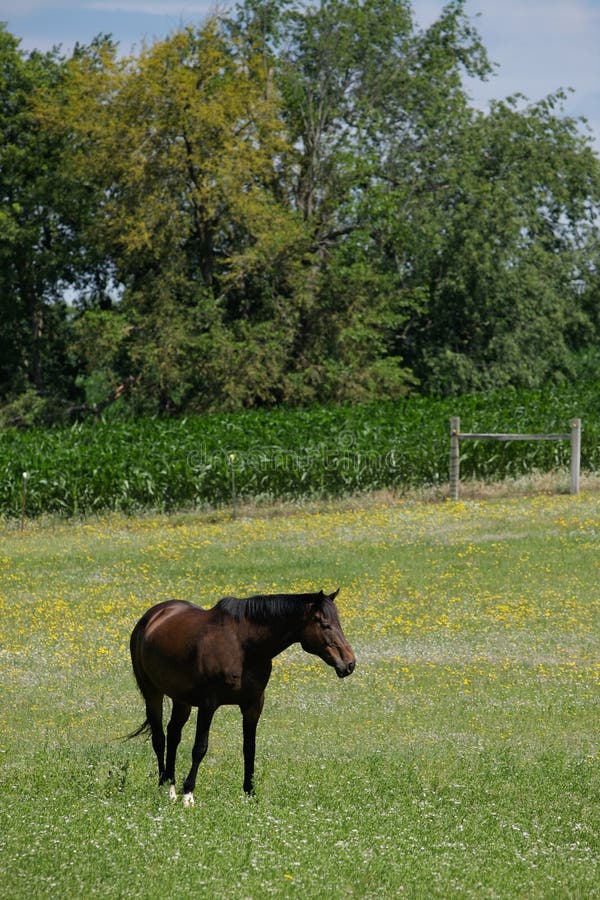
x=286, y=204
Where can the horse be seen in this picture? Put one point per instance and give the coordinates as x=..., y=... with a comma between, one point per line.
x=207, y=658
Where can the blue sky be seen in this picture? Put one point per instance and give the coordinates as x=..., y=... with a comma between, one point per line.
x=539, y=45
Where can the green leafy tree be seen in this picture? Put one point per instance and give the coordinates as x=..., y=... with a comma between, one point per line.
x=372, y=107
x=292, y=204
x=38, y=239
x=504, y=272
x=183, y=141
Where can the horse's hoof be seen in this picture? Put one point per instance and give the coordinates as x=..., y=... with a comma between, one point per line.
x=172, y=792
x=188, y=799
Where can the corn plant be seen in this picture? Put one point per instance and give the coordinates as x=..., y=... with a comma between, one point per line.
x=327, y=451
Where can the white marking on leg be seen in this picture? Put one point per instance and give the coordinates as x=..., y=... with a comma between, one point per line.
x=188, y=799
x=172, y=792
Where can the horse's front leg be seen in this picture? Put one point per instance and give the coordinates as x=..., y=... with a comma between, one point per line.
x=205, y=715
x=179, y=716
x=251, y=715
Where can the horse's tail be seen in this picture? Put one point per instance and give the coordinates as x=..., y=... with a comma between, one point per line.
x=143, y=729
x=133, y=648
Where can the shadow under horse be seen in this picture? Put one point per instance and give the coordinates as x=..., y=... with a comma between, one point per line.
x=223, y=656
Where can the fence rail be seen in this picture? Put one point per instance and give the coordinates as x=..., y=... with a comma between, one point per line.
x=456, y=436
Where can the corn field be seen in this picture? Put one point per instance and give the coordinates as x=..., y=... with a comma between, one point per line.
x=165, y=464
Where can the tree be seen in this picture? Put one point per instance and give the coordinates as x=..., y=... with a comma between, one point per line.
x=37, y=235
x=297, y=203
x=504, y=272
x=371, y=106
x=183, y=142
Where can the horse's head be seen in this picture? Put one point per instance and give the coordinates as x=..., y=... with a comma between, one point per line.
x=322, y=635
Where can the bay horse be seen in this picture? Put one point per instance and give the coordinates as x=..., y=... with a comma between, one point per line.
x=208, y=658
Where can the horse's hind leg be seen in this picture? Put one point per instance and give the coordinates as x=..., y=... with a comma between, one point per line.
x=154, y=715
x=179, y=716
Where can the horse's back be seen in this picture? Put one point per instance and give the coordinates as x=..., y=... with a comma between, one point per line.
x=158, y=609
x=151, y=630
x=169, y=618
x=176, y=647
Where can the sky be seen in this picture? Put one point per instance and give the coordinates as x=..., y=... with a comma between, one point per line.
x=538, y=45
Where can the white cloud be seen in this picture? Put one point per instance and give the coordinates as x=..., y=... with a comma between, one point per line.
x=10, y=10
x=539, y=46
x=149, y=7
x=25, y=8
x=538, y=43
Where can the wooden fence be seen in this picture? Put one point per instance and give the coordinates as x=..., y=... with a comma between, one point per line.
x=456, y=436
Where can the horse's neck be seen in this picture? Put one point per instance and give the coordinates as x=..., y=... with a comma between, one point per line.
x=272, y=638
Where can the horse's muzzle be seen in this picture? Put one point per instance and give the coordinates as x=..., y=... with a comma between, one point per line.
x=344, y=669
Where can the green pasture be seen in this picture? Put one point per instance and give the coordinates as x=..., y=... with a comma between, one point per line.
x=460, y=760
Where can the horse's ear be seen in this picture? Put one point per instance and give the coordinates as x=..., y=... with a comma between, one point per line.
x=324, y=596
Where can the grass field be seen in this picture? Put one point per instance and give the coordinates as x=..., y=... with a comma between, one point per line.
x=460, y=760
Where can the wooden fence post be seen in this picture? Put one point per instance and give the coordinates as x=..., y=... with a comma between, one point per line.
x=456, y=436
x=575, y=454
x=454, y=456
x=233, y=489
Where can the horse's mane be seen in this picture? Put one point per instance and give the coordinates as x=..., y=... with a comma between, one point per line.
x=263, y=607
